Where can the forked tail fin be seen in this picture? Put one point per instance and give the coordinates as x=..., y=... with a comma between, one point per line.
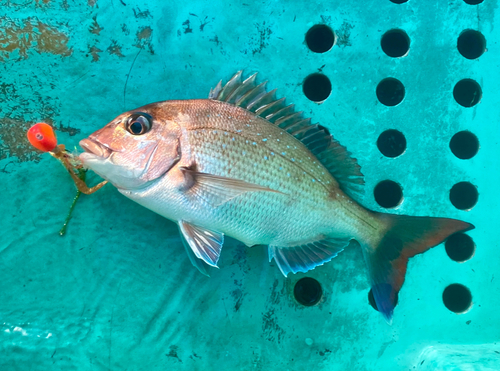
x=387, y=256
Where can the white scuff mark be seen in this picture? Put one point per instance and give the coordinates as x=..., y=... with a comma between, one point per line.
x=146, y=143
x=21, y=330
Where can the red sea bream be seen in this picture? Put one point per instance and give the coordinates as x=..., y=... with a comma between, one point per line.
x=246, y=165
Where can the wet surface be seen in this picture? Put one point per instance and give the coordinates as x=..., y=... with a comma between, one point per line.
x=118, y=291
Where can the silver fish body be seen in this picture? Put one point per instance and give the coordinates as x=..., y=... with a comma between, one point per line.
x=229, y=141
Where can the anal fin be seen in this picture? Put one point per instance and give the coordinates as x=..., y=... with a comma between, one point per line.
x=308, y=256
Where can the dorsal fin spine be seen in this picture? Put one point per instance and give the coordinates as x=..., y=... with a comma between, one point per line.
x=271, y=107
x=231, y=85
x=248, y=97
x=246, y=86
x=281, y=113
x=294, y=127
x=262, y=100
x=291, y=118
x=214, y=93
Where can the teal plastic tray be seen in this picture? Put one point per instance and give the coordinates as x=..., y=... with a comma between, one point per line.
x=118, y=292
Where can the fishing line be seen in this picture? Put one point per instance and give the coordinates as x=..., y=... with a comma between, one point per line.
x=128, y=75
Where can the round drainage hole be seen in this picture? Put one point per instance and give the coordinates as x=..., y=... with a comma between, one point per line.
x=308, y=291
x=399, y=1
x=471, y=44
x=464, y=195
x=460, y=247
x=317, y=87
x=391, y=143
x=388, y=194
x=464, y=145
x=395, y=43
x=390, y=92
x=457, y=298
x=320, y=38
x=473, y=2
x=372, y=302
x=467, y=92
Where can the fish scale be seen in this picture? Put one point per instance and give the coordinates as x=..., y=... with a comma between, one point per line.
x=262, y=163
x=265, y=146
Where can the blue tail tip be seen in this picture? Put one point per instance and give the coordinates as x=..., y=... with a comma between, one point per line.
x=385, y=300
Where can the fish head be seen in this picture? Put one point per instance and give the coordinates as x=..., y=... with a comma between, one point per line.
x=135, y=149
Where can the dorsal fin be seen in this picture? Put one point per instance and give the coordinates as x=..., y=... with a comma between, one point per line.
x=254, y=98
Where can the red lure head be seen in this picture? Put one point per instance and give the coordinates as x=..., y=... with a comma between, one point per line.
x=42, y=137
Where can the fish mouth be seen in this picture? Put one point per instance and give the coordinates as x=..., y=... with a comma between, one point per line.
x=95, y=148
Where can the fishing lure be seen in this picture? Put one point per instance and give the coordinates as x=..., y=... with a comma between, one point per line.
x=42, y=137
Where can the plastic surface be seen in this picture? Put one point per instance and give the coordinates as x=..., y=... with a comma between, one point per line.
x=118, y=292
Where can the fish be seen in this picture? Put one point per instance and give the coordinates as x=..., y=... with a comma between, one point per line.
x=245, y=164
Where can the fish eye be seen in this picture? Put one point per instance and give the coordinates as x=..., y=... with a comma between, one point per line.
x=138, y=123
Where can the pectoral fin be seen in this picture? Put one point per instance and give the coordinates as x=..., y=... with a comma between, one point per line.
x=308, y=256
x=205, y=244
x=218, y=190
